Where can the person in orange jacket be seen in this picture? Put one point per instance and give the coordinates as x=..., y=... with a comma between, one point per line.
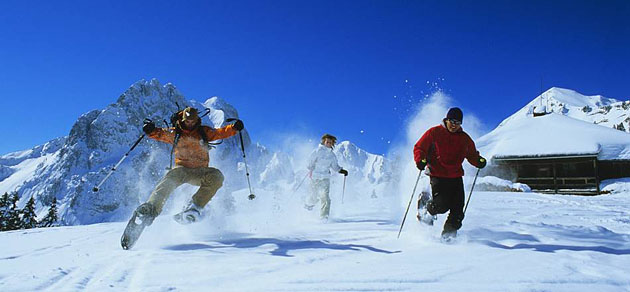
x=442, y=150
x=190, y=140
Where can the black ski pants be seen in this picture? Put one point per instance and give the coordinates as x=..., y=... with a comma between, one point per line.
x=448, y=194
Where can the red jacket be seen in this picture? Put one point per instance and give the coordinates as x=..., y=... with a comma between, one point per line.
x=445, y=152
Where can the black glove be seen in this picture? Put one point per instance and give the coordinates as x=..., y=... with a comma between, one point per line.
x=148, y=127
x=238, y=125
x=344, y=172
x=482, y=162
x=421, y=164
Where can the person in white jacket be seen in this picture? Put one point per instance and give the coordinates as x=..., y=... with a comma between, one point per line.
x=321, y=161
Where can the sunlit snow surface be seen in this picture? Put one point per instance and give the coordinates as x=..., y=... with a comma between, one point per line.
x=509, y=242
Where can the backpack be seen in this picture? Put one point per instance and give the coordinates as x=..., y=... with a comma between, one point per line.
x=175, y=122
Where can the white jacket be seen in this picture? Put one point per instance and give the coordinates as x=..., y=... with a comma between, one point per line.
x=321, y=161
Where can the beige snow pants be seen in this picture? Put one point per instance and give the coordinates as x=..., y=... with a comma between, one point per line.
x=208, y=179
x=320, y=189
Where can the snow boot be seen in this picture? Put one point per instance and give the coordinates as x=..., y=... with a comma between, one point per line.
x=423, y=215
x=142, y=217
x=448, y=236
x=323, y=219
x=448, y=233
x=191, y=214
x=145, y=214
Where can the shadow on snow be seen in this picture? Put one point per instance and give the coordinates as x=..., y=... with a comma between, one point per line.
x=283, y=247
x=593, y=239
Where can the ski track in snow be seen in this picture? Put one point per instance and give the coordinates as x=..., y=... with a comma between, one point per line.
x=509, y=242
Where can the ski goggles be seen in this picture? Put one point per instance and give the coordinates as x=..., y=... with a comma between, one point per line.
x=454, y=122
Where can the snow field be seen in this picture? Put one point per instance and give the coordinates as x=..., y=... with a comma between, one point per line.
x=509, y=242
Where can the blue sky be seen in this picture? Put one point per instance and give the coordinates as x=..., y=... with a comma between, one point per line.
x=304, y=66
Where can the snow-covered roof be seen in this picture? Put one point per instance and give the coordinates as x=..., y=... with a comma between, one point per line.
x=554, y=135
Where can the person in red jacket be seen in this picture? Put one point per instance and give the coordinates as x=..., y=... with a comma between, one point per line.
x=442, y=150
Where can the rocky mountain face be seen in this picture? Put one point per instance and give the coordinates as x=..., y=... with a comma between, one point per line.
x=69, y=167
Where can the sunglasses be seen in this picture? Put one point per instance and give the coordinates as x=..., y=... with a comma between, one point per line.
x=455, y=122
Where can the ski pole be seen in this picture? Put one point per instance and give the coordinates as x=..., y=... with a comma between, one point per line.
x=251, y=194
x=298, y=187
x=344, y=188
x=471, y=190
x=240, y=134
x=409, y=205
x=96, y=188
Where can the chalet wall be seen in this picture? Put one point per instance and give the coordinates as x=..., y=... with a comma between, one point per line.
x=555, y=175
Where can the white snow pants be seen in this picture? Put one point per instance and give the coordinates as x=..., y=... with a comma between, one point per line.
x=320, y=189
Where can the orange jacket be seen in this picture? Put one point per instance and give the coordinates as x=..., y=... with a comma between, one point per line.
x=190, y=151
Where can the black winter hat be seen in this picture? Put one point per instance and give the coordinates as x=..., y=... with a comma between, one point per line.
x=455, y=113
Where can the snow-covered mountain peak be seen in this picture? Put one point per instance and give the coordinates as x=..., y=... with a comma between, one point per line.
x=572, y=98
x=374, y=168
x=221, y=110
x=597, y=109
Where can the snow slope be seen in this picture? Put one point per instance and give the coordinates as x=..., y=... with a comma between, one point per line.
x=509, y=242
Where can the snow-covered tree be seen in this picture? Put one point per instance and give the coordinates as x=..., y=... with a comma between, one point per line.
x=13, y=213
x=4, y=208
x=620, y=127
x=51, y=217
x=29, y=218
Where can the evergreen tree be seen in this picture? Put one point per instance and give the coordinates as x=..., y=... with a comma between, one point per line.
x=4, y=208
x=29, y=219
x=620, y=127
x=13, y=213
x=51, y=217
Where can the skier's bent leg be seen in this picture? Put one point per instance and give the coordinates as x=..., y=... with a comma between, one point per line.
x=324, y=189
x=313, y=196
x=211, y=180
x=165, y=187
x=146, y=213
x=438, y=203
x=456, y=205
x=434, y=207
x=453, y=222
